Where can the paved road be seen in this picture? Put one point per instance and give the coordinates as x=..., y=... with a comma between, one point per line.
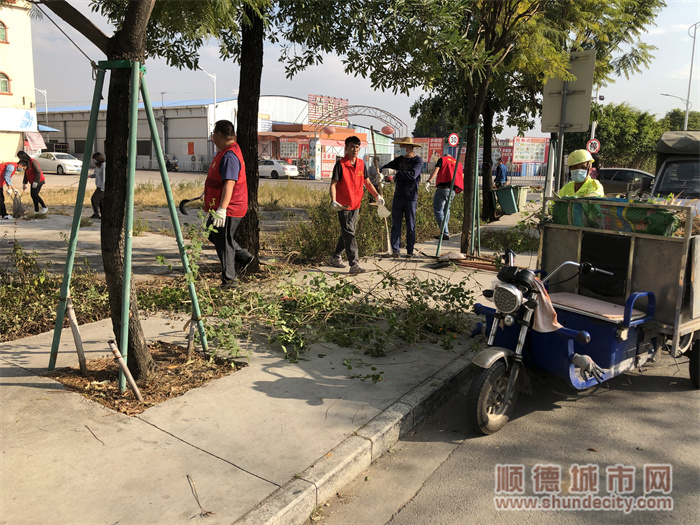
x=444, y=474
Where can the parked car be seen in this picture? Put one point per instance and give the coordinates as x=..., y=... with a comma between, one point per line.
x=622, y=180
x=678, y=168
x=276, y=167
x=59, y=162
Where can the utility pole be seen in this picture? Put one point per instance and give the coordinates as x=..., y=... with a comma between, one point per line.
x=46, y=108
x=694, y=27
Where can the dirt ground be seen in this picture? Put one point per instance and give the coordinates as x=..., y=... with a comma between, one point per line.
x=175, y=375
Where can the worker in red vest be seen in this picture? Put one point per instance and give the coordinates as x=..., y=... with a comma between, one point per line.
x=347, y=188
x=442, y=200
x=226, y=199
x=34, y=176
x=7, y=170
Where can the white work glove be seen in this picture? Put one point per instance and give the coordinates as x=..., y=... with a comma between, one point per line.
x=219, y=218
x=380, y=200
x=336, y=206
x=427, y=186
x=588, y=367
x=35, y=184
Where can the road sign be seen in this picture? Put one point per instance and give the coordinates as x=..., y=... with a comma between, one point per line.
x=453, y=139
x=593, y=146
x=578, y=99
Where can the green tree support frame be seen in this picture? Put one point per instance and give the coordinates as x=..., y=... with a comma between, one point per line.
x=138, y=81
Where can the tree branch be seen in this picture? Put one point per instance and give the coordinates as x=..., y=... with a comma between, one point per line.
x=77, y=21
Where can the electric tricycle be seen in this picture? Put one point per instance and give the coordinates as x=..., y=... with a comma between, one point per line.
x=615, y=286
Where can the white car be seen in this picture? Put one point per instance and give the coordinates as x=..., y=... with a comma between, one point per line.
x=59, y=162
x=277, y=168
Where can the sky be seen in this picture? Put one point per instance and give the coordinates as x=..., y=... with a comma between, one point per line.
x=65, y=73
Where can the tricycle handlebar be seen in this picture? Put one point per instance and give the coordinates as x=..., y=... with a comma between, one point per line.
x=583, y=267
x=582, y=336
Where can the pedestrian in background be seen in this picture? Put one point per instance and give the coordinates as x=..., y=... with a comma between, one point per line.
x=99, y=176
x=501, y=178
x=7, y=170
x=34, y=177
x=226, y=198
x=596, y=165
x=347, y=183
x=408, y=169
x=442, y=200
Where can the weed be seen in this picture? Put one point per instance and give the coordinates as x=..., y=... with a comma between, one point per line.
x=520, y=238
x=29, y=295
x=140, y=226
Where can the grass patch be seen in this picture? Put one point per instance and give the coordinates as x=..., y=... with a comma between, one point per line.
x=29, y=296
x=286, y=194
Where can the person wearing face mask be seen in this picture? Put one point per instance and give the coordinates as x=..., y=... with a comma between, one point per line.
x=581, y=185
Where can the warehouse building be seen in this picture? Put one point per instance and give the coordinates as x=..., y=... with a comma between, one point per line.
x=309, y=133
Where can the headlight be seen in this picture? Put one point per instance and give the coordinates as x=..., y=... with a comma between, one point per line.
x=507, y=298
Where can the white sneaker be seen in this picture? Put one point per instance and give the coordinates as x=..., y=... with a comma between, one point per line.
x=44, y=210
x=7, y=217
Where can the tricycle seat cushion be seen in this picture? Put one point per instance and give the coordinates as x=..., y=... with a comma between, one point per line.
x=594, y=307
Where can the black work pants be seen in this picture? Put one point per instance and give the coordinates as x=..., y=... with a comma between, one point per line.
x=228, y=249
x=34, y=192
x=3, y=210
x=347, y=241
x=96, y=201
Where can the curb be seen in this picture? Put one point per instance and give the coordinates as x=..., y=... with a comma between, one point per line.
x=293, y=503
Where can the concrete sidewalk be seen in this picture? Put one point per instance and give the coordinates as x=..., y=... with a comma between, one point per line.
x=266, y=444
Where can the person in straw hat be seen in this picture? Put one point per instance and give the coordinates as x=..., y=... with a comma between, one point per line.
x=408, y=169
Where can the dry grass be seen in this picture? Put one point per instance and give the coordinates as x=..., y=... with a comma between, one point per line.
x=270, y=197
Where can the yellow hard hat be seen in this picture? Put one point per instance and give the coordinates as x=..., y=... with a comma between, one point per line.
x=579, y=156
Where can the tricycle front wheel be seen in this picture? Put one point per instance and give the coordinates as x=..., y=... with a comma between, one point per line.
x=487, y=408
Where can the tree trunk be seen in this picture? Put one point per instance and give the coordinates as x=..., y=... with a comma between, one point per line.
x=475, y=97
x=127, y=44
x=488, y=210
x=252, y=37
x=469, y=182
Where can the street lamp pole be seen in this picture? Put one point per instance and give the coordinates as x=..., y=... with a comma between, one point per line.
x=46, y=108
x=694, y=27
x=213, y=77
x=688, y=105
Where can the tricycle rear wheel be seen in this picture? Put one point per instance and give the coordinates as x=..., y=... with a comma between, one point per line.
x=487, y=409
x=694, y=364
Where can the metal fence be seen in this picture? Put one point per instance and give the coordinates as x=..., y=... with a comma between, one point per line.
x=183, y=165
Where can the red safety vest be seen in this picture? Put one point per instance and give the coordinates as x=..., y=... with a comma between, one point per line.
x=3, y=166
x=213, y=185
x=446, y=171
x=30, y=172
x=348, y=190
